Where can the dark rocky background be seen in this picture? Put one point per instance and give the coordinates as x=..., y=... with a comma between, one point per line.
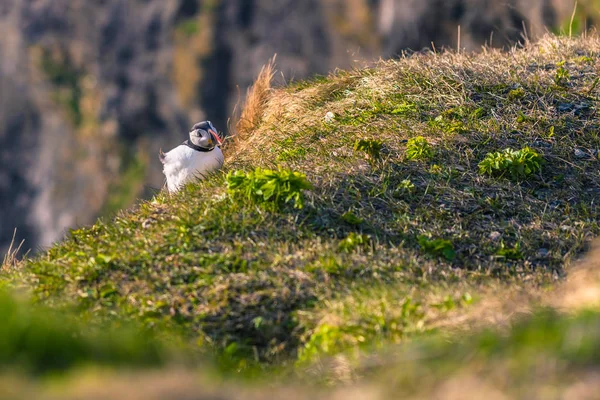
x=91, y=89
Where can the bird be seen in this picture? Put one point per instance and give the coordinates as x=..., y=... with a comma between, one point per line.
x=195, y=158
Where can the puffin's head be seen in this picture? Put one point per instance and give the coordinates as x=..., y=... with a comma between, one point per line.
x=205, y=135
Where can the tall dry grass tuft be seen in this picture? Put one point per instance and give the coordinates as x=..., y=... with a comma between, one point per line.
x=10, y=258
x=256, y=99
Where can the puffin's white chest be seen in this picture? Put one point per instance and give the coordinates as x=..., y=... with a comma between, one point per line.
x=183, y=164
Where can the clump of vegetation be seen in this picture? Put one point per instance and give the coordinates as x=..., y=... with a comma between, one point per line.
x=516, y=94
x=405, y=108
x=562, y=74
x=448, y=124
x=437, y=247
x=373, y=323
x=354, y=241
x=42, y=341
x=350, y=218
x=510, y=253
x=418, y=148
x=517, y=164
x=292, y=154
x=269, y=186
x=371, y=148
x=405, y=187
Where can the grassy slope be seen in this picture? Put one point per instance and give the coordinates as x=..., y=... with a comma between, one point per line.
x=347, y=271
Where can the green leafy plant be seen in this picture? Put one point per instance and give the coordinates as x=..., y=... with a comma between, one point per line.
x=404, y=187
x=292, y=154
x=478, y=113
x=404, y=108
x=436, y=169
x=418, y=148
x=437, y=247
x=516, y=94
x=354, y=240
x=510, y=253
x=371, y=148
x=584, y=60
x=269, y=186
x=448, y=123
x=562, y=74
x=517, y=164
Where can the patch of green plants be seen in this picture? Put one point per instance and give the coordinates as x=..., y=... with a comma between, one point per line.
x=418, y=148
x=292, y=154
x=370, y=147
x=562, y=75
x=310, y=82
x=329, y=264
x=350, y=218
x=516, y=94
x=393, y=107
x=404, y=108
x=450, y=303
x=354, y=241
x=477, y=114
x=437, y=247
x=367, y=325
x=510, y=253
x=41, y=341
x=584, y=60
x=449, y=122
x=516, y=164
x=522, y=118
x=405, y=187
x=436, y=169
x=276, y=187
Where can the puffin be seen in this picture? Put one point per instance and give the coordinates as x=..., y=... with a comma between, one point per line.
x=195, y=158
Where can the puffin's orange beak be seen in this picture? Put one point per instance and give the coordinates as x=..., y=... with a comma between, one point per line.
x=216, y=136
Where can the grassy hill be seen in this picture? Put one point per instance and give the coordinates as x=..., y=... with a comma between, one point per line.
x=429, y=196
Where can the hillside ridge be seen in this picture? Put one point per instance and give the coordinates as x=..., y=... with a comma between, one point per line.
x=362, y=209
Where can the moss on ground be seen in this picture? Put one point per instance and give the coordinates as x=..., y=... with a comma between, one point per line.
x=428, y=232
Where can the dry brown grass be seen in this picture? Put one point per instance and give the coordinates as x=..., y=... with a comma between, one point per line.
x=254, y=105
x=11, y=259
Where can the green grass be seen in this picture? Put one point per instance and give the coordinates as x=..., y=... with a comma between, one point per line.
x=335, y=241
x=536, y=356
x=36, y=340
